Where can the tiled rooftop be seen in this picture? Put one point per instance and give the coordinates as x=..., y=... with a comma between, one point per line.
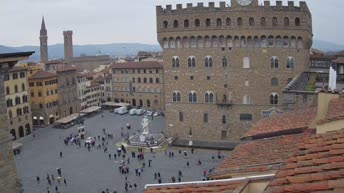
x=216, y=187
x=286, y=122
x=42, y=75
x=317, y=166
x=258, y=156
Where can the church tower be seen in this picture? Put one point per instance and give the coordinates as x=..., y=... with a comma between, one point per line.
x=68, y=45
x=44, y=42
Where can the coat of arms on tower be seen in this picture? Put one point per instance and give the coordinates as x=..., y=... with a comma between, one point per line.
x=270, y=112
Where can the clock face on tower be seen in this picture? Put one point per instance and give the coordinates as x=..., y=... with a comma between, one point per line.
x=244, y=2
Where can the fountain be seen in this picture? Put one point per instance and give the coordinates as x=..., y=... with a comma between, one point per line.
x=146, y=139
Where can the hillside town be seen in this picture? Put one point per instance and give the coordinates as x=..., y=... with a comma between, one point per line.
x=238, y=101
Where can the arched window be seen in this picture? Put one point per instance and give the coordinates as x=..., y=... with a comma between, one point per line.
x=207, y=22
x=242, y=41
x=297, y=22
x=15, y=88
x=246, y=100
x=207, y=42
x=228, y=21
x=191, y=62
x=157, y=80
x=274, y=99
x=193, y=42
x=293, y=42
x=24, y=98
x=192, y=97
x=278, y=41
x=148, y=103
x=139, y=80
x=286, y=22
x=224, y=62
x=290, y=62
x=144, y=80
x=205, y=118
x=7, y=90
x=246, y=62
x=10, y=115
x=229, y=41
x=23, y=87
x=165, y=43
x=209, y=97
x=249, y=42
x=239, y=21
x=150, y=80
x=274, y=82
x=175, y=23
x=222, y=41
x=197, y=23
x=171, y=43
x=285, y=42
x=274, y=62
x=9, y=103
x=271, y=41
x=186, y=23
x=263, y=42
x=178, y=42
x=274, y=22
x=256, y=42
x=208, y=62
x=175, y=97
x=237, y=41
x=165, y=24
x=186, y=42
x=299, y=42
x=251, y=21
x=218, y=22
x=263, y=21
x=199, y=42
x=224, y=119
x=214, y=42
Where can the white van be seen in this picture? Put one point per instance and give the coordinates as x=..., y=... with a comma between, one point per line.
x=132, y=111
x=140, y=111
x=122, y=110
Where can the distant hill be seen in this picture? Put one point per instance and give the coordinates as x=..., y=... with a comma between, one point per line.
x=126, y=49
x=116, y=49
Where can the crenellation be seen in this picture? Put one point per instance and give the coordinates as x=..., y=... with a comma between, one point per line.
x=266, y=3
x=291, y=5
x=211, y=4
x=189, y=5
x=168, y=7
x=200, y=4
x=159, y=9
x=279, y=3
x=179, y=6
x=222, y=4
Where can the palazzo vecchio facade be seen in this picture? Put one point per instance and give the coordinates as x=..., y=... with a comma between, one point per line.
x=225, y=66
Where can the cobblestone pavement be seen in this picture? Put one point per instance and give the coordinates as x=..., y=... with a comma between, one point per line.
x=92, y=171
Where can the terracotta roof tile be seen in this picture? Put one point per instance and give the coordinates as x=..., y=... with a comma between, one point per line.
x=216, y=187
x=335, y=110
x=141, y=65
x=42, y=75
x=259, y=156
x=323, y=171
x=339, y=60
x=68, y=68
x=299, y=119
x=18, y=68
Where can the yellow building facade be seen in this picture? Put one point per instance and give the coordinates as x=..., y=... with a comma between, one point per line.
x=44, y=98
x=17, y=100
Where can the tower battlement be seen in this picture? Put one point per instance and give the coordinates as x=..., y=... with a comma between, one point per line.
x=190, y=7
x=68, y=33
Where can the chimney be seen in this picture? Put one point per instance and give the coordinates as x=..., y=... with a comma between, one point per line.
x=324, y=99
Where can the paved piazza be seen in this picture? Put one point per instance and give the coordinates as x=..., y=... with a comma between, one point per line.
x=92, y=171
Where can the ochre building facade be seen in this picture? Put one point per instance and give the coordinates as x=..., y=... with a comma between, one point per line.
x=225, y=67
x=139, y=84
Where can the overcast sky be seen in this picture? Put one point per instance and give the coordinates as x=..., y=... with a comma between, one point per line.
x=123, y=21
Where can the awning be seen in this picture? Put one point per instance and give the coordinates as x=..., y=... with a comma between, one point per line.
x=41, y=118
x=16, y=145
x=114, y=104
x=68, y=118
x=90, y=109
x=35, y=117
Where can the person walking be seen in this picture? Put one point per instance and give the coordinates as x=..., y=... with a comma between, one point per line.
x=65, y=181
x=58, y=180
x=60, y=154
x=109, y=156
x=37, y=178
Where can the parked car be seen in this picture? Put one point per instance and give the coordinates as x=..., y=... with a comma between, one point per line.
x=140, y=111
x=116, y=110
x=122, y=110
x=133, y=111
x=90, y=140
x=156, y=114
x=149, y=113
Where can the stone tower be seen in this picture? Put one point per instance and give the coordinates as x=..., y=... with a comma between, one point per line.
x=68, y=45
x=226, y=66
x=43, y=38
